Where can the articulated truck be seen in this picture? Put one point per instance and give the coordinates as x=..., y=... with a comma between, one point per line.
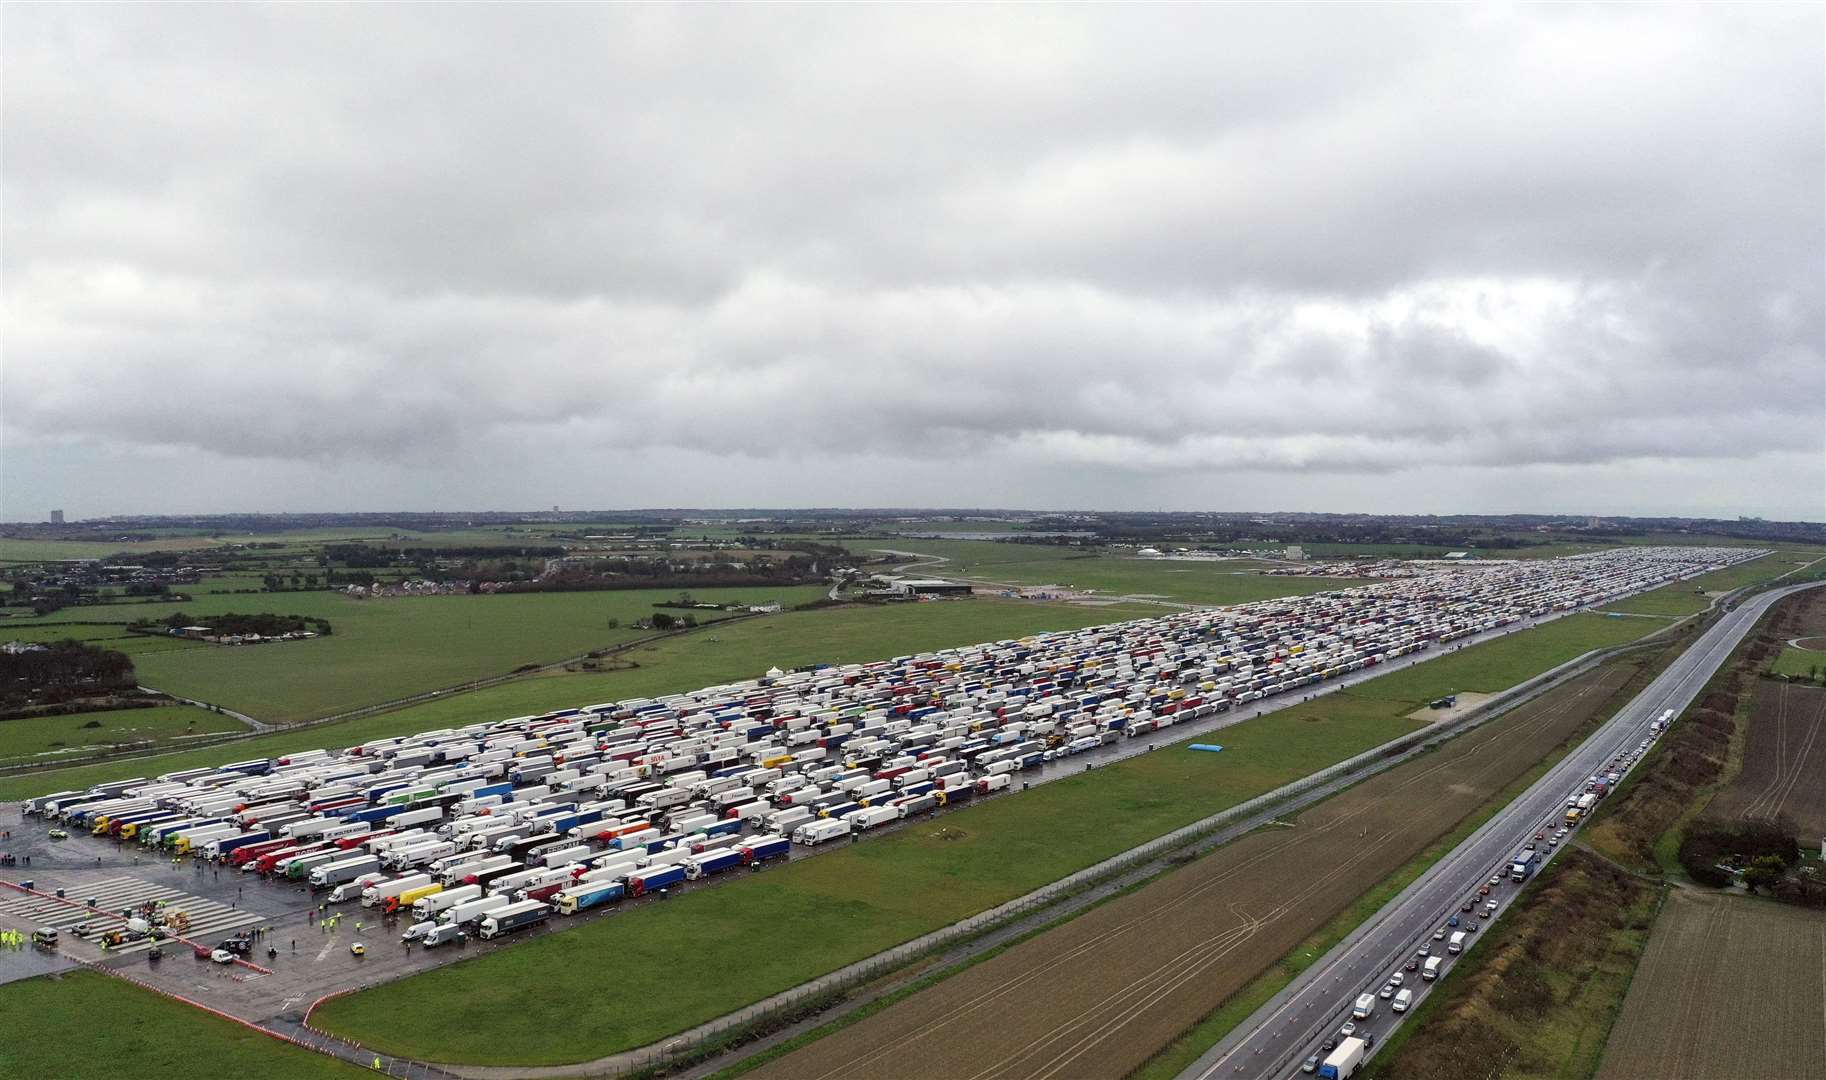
x=514, y=917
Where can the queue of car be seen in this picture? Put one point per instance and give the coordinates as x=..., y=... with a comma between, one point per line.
x=569, y=810
x=1339, y=1055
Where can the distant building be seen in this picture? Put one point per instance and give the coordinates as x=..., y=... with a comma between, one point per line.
x=1294, y=551
x=1457, y=554
x=933, y=587
x=772, y=608
x=57, y=517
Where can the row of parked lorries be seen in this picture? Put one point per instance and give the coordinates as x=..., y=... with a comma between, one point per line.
x=580, y=807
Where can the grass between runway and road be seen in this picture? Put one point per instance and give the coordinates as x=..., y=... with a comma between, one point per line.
x=87, y=1026
x=849, y=905
x=707, y=657
x=1107, y=574
x=1536, y=996
x=47, y=739
x=715, y=950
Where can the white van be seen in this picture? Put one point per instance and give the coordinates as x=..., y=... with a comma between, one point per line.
x=1365, y=1007
x=1403, y=998
x=1456, y=943
x=1432, y=968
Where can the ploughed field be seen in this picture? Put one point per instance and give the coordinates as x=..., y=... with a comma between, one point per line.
x=1100, y=995
x=1729, y=987
x=1784, y=773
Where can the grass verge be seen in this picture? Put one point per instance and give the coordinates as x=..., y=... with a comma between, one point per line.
x=87, y=1026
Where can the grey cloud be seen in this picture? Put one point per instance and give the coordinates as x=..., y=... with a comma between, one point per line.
x=1113, y=244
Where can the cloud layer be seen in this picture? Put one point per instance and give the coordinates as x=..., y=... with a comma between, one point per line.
x=1185, y=255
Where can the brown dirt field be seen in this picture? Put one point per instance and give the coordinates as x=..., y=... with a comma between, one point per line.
x=1784, y=773
x=1101, y=994
x=1729, y=987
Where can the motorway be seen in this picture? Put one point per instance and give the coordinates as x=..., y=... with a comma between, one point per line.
x=1273, y=1041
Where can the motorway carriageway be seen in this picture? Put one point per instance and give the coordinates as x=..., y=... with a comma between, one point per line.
x=1281, y=1034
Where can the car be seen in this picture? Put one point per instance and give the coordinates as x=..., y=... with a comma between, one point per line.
x=1540, y=836
x=1426, y=949
x=1387, y=991
x=1489, y=909
x=1553, y=841
x=59, y=834
x=1467, y=906
x=1330, y=1043
x=1311, y=1064
x=358, y=949
x=222, y=956
x=1495, y=880
x=1411, y=965
x=1397, y=979
x=1470, y=927
x=1349, y=1029
x=1483, y=890
x=1453, y=921
x=1439, y=934
x=1530, y=847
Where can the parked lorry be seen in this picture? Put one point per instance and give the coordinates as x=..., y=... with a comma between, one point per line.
x=817, y=832
x=425, y=907
x=380, y=892
x=472, y=911
x=1343, y=1062
x=516, y=916
x=652, y=880
x=343, y=870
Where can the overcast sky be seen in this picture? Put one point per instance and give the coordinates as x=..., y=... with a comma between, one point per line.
x=1407, y=258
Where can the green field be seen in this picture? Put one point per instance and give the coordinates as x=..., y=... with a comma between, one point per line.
x=382, y=649
x=1039, y=564
x=1803, y=662
x=44, y=739
x=851, y=904
x=1687, y=597
x=1500, y=664
x=88, y=1026
x=660, y=967
x=741, y=650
